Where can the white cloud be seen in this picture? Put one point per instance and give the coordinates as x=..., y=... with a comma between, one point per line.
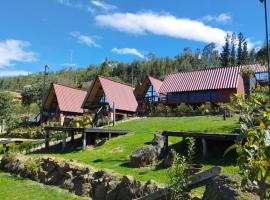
x=103, y=5
x=223, y=18
x=128, y=51
x=84, y=39
x=9, y=73
x=168, y=25
x=253, y=44
x=15, y=51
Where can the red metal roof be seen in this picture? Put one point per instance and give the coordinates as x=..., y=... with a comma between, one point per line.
x=156, y=83
x=69, y=99
x=257, y=68
x=206, y=79
x=121, y=94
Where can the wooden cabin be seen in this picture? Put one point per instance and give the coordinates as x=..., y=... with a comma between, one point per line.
x=63, y=101
x=110, y=94
x=148, y=91
x=200, y=86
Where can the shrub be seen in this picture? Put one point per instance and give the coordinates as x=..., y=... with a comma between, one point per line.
x=191, y=149
x=27, y=132
x=184, y=108
x=25, y=146
x=32, y=166
x=81, y=121
x=253, y=142
x=203, y=109
x=179, y=178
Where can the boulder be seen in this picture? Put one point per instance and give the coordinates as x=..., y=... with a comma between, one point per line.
x=158, y=141
x=169, y=158
x=145, y=156
x=226, y=187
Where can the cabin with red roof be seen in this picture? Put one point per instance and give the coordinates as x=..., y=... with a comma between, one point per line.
x=106, y=93
x=200, y=86
x=148, y=91
x=63, y=101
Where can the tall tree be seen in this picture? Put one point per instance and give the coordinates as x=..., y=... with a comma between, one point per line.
x=225, y=54
x=241, y=41
x=233, y=51
x=6, y=107
x=245, y=54
x=252, y=56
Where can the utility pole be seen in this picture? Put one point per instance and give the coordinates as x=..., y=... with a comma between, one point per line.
x=46, y=67
x=267, y=40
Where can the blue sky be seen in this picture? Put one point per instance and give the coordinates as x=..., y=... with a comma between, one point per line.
x=76, y=33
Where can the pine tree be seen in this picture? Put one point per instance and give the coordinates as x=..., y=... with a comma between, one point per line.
x=233, y=51
x=241, y=40
x=225, y=54
x=245, y=54
x=252, y=56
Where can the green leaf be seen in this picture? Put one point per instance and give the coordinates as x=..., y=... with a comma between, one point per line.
x=234, y=146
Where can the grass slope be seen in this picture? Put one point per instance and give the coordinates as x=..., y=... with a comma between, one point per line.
x=14, y=188
x=114, y=153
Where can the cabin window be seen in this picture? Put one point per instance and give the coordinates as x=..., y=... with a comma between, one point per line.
x=200, y=96
x=103, y=99
x=151, y=94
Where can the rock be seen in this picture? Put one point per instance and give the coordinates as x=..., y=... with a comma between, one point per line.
x=149, y=187
x=145, y=156
x=226, y=187
x=169, y=158
x=158, y=140
x=80, y=179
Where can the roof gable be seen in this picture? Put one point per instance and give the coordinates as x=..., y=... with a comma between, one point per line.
x=156, y=83
x=68, y=99
x=118, y=93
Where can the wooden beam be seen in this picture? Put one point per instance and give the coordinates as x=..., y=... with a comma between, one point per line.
x=63, y=134
x=204, y=145
x=198, y=135
x=194, y=181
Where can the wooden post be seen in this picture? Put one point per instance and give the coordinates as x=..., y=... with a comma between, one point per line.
x=84, y=140
x=166, y=142
x=72, y=136
x=204, y=145
x=110, y=135
x=47, y=139
x=63, y=134
x=113, y=113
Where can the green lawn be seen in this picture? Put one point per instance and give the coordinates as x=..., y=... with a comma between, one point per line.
x=113, y=154
x=14, y=188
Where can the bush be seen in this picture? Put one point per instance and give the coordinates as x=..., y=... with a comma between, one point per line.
x=184, y=108
x=32, y=166
x=179, y=178
x=203, y=109
x=27, y=132
x=191, y=149
x=81, y=121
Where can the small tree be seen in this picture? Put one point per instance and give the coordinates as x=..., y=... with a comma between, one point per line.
x=253, y=143
x=6, y=107
x=27, y=99
x=179, y=178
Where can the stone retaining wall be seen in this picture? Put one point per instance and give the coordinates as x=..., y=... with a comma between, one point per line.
x=77, y=178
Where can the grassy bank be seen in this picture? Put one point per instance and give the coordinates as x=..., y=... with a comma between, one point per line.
x=114, y=153
x=14, y=188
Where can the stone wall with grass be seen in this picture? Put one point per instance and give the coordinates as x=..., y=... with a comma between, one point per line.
x=76, y=178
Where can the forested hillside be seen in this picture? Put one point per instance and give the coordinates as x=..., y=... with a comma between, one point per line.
x=234, y=52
